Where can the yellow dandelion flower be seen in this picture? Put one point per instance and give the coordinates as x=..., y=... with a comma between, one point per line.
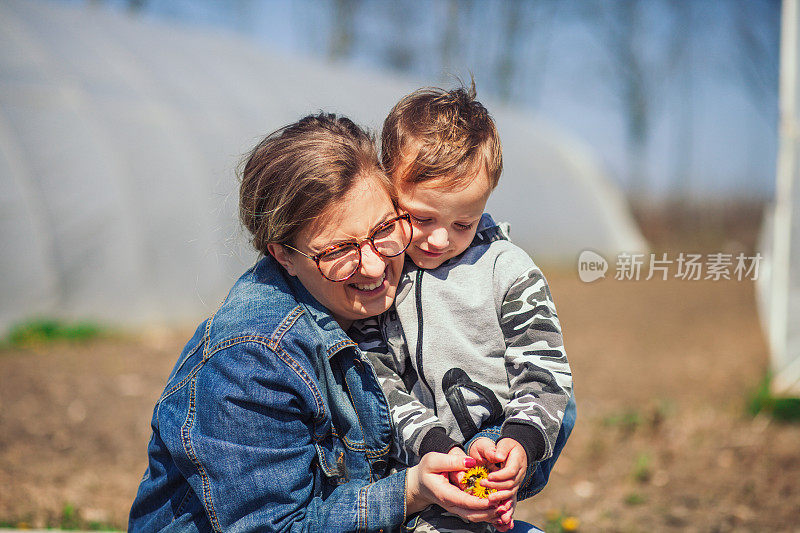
x=472, y=482
x=570, y=523
x=478, y=490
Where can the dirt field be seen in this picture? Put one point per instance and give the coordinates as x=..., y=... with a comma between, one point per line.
x=663, y=370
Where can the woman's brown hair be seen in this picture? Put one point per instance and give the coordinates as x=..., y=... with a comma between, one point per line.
x=295, y=173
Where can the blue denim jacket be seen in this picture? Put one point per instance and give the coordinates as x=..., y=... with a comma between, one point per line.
x=271, y=420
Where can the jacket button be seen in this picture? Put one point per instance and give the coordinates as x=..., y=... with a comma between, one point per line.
x=379, y=464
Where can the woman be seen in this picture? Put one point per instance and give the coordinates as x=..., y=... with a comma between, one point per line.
x=272, y=419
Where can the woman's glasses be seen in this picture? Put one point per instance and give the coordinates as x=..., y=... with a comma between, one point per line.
x=340, y=261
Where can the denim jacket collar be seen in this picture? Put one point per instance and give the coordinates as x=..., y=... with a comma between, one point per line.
x=331, y=334
x=244, y=312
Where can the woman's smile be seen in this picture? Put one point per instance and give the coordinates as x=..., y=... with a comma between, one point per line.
x=371, y=288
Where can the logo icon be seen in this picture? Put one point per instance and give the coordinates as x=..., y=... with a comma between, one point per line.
x=591, y=266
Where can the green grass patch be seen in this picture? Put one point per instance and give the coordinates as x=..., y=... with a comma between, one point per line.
x=634, y=498
x=642, y=468
x=561, y=522
x=628, y=420
x=39, y=331
x=761, y=400
x=649, y=417
x=70, y=519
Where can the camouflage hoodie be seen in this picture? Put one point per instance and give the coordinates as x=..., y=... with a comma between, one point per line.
x=471, y=344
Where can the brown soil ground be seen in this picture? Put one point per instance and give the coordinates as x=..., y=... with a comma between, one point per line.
x=663, y=370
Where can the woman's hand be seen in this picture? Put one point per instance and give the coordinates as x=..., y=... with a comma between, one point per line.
x=505, y=515
x=428, y=483
x=456, y=477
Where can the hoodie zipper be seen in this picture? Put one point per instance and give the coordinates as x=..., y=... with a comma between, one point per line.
x=418, y=294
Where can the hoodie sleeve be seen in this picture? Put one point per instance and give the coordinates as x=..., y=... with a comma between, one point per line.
x=539, y=374
x=418, y=429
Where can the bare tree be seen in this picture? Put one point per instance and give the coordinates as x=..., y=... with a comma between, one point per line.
x=451, y=36
x=342, y=29
x=681, y=60
x=510, y=40
x=757, y=25
x=619, y=25
x=399, y=54
x=136, y=6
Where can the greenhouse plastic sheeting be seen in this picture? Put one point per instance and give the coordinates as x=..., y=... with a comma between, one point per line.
x=119, y=140
x=779, y=284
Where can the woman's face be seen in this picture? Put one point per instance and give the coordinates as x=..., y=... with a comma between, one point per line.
x=371, y=290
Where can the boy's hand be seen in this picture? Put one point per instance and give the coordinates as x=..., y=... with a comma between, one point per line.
x=483, y=450
x=456, y=477
x=514, y=463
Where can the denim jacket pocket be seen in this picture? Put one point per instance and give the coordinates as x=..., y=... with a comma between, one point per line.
x=187, y=516
x=331, y=455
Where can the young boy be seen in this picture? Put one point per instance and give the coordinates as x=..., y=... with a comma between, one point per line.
x=472, y=353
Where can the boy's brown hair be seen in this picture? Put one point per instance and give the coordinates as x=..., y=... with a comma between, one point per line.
x=441, y=135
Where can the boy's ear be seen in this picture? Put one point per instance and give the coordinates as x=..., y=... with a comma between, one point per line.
x=283, y=257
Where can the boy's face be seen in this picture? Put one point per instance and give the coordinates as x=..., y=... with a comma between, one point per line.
x=444, y=218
